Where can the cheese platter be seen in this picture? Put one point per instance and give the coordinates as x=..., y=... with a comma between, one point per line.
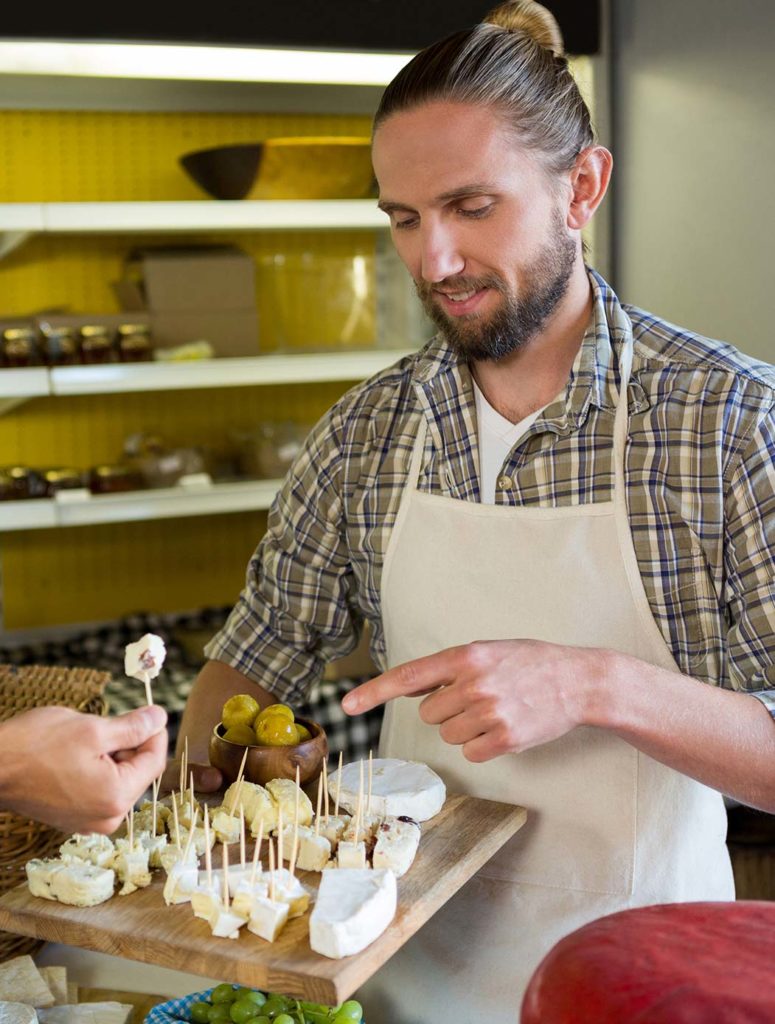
x=456, y=843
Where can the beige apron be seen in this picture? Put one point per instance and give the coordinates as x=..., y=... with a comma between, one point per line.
x=608, y=827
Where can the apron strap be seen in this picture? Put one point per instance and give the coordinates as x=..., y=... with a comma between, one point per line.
x=622, y=420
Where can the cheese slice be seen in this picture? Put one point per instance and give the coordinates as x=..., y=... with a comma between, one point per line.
x=17, y=1013
x=88, y=1013
x=353, y=908
x=398, y=788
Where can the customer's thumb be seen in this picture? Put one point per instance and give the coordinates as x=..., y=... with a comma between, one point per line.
x=135, y=727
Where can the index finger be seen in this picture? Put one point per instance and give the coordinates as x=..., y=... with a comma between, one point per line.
x=412, y=679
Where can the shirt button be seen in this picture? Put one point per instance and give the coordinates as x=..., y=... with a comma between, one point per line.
x=505, y=483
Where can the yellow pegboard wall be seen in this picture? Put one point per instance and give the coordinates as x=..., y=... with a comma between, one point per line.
x=92, y=574
x=85, y=156
x=86, y=574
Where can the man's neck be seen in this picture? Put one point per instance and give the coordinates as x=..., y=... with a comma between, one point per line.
x=530, y=377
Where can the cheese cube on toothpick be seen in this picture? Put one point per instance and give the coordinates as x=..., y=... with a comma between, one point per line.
x=143, y=660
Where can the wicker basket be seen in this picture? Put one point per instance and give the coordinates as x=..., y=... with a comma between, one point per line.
x=21, y=839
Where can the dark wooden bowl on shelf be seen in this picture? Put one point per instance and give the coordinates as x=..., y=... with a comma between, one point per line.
x=264, y=763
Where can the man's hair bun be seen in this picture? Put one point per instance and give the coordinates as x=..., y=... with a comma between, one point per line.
x=530, y=18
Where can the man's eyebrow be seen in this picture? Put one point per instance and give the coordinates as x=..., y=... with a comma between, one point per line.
x=463, y=192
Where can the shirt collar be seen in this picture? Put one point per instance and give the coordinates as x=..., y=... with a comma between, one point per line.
x=594, y=377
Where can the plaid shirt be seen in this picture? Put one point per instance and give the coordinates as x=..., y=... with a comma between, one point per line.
x=700, y=478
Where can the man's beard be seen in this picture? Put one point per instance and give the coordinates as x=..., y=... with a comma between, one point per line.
x=518, y=318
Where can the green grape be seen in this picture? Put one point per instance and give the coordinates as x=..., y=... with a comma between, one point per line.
x=275, y=1005
x=199, y=1013
x=243, y=1010
x=284, y=1018
x=261, y=1020
x=350, y=1012
x=218, y=1012
x=223, y=994
x=253, y=994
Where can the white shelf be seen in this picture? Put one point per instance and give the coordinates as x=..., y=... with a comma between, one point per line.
x=19, y=220
x=17, y=386
x=134, y=506
x=301, y=368
x=27, y=515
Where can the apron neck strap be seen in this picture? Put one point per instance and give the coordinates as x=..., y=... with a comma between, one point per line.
x=622, y=420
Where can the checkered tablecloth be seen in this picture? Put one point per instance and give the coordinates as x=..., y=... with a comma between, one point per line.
x=104, y=649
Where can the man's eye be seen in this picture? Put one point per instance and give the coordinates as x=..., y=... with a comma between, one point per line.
x=407, y=222
x=475, y=211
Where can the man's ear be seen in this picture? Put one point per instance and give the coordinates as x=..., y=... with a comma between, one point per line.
x=589, y=179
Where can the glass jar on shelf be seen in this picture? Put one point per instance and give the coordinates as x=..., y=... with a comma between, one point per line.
x=20, y=348
x=97, y=344
x=59, y=345
x=134, y=343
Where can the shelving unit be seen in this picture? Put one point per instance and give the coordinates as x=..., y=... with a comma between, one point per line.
x=19, y=221
x=77, y=508
x=17, y=386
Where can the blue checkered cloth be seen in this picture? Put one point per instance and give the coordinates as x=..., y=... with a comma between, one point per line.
x=177, y=1010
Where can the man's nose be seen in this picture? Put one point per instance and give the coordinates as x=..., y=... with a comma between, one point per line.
x=441, y=256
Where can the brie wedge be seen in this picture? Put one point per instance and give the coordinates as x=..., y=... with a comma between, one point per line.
x=353, y=908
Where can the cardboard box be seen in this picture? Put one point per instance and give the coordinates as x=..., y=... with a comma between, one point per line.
x=194, y=293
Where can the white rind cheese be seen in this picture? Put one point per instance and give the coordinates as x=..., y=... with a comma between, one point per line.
x=87, y=1013
x=82, y=885
x=17, y=1013
x=398, y=788
x=353, y=908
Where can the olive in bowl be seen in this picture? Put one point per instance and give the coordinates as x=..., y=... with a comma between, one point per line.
x=264, y=762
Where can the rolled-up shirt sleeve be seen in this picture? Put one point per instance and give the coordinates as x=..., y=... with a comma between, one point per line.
x=750, y=566
x=297, y=609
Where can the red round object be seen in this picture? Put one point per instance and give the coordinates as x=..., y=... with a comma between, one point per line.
x=678, y=963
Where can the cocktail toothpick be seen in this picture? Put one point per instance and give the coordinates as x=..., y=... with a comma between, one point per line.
x=272, y=892
x=295, y=845
x=208, y=855
x=359, y=808
x=242, y=837
x=190, y=839
x=238, y=786
x=318, y=805
x=338, y=786
x=130, y=830
x=368, y=800
x=325, y=790
x=225, y=866
x=155, y=797
x=279, y=837
x=257, y=852
x=176, y=820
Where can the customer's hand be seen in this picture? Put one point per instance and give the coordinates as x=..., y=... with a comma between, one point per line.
x=79, y=772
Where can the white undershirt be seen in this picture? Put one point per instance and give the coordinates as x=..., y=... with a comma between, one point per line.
x=497, y=436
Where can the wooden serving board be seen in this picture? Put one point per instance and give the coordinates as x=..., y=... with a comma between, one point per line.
x=454, y=845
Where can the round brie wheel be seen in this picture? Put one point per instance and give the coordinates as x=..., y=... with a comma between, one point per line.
x=398, y=788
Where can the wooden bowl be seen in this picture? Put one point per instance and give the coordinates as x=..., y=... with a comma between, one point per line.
x=266, y=763
x=298, y=167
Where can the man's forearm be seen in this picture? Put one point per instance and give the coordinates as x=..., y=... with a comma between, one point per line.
x=212, y=688
x=722, y=738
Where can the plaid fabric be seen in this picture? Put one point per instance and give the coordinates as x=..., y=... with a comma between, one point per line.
x=176, y=1010
x=103, y=648
x=700, y=478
